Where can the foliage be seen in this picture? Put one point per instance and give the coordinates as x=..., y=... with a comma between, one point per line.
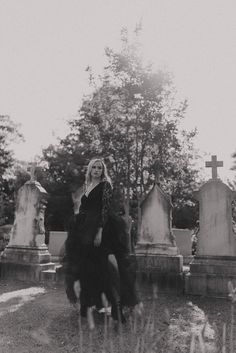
x=64, y=173
x=9, y=131
x=132, y=119
x=232, y=185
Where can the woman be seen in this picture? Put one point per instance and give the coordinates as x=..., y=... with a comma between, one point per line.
x=96, y=233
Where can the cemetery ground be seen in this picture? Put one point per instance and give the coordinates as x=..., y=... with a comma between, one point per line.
x=38, y=318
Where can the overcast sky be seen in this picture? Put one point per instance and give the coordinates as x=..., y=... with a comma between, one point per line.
x=47, y=44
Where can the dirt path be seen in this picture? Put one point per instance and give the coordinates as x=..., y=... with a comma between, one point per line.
x=36, y=319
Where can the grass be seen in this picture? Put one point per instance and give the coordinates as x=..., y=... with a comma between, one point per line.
x=152, y=333
x=170, y=324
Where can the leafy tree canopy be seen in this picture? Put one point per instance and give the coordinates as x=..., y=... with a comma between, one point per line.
x=132, y=120
x=9, y=131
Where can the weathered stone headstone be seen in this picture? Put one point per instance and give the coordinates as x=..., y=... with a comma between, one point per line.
x=215, y=261
x=183, y=239
x=26, y=254
x=56, y=244
x=155, y=231
x=157, y=255
x=216, y=236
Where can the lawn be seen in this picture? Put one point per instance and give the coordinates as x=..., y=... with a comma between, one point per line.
x=38, y=318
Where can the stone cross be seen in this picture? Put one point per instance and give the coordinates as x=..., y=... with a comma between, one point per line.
x=214, y=164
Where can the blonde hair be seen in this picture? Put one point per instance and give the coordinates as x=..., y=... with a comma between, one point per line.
x=104, y=176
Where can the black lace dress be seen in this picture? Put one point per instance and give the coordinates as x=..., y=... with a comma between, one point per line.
x=88, y=263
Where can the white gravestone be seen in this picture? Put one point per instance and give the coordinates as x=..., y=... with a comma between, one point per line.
x=216, y=236
x=26, y=254
x=56, y=244
x=28, y=228
x=158, y=258
x=183, y=239
x=155, y=227
x=215, y=262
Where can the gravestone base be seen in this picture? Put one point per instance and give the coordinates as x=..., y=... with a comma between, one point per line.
x=25, y=263
x=188, y=259
x=164, y=271
x=156, y=249
x=209, y=276
x=54, y=275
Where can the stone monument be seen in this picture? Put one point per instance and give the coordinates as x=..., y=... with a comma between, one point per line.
x=215, y=261
x=26, y=254
x=183, y=239
x=157, y=255
x=56, y=245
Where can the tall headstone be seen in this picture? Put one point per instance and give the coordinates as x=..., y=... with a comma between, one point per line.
x=156, y=234
x=215, y=261
x=157, y=255
x=26, y=254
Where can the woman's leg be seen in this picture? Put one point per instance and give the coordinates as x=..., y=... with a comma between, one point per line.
x=113, y=289
x=127, y=270
x=69, y=287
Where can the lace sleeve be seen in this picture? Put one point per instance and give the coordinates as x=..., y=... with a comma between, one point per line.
x=106, y=202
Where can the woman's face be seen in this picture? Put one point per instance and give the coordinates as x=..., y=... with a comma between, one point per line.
x=97, y=169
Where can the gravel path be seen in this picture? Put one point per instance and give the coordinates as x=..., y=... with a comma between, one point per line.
x=36, y=318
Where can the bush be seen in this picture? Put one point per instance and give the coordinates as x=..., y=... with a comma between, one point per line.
x=4, y=236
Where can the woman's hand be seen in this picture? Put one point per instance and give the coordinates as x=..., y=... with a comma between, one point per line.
x=98, y=238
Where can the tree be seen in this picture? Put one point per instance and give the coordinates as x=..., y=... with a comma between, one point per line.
x=8, y=132
x=132, y=119
x=63, y=175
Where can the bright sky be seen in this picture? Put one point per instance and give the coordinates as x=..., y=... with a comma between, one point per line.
x=47, y=44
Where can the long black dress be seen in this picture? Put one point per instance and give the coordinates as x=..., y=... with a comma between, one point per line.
x=90, y=264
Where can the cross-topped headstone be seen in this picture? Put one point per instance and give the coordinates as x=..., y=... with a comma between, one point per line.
x=214, y=164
